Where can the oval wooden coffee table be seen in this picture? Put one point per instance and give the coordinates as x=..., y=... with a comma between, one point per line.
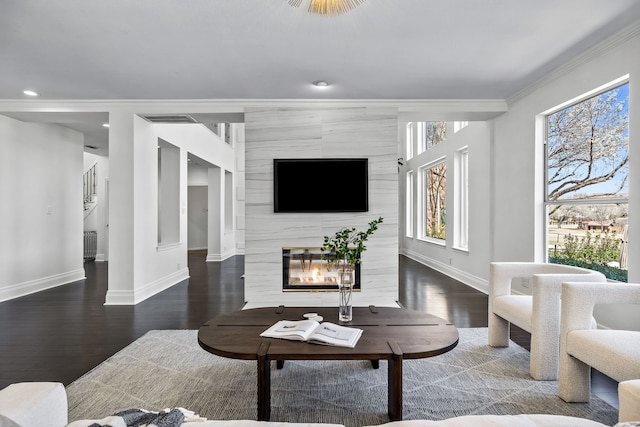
x=389, y=333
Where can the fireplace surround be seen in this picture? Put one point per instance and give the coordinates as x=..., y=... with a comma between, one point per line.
x=304, y=270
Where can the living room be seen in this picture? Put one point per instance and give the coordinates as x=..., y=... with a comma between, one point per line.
x=506, y=154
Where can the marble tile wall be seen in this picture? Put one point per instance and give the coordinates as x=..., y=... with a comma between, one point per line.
x=316, y=133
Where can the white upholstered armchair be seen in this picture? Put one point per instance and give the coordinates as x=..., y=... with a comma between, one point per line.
x=538, y=313
x=615, y=353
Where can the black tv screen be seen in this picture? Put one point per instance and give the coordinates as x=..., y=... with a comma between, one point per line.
x=321, y=185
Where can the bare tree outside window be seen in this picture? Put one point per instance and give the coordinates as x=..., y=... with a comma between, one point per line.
x=435, y=133
x=587, y=183
x=436, y=183
x=587, y=147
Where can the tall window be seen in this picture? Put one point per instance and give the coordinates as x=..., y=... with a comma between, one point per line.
x=409, y=205
x=429, y=134
x=457, y=126
x=435, y=200
x=587, y=183
x=462, y=199
x=435, y=133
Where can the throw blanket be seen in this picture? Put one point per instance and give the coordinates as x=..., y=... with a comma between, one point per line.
x=143, y=418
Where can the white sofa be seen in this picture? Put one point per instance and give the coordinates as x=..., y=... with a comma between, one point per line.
x=523, y=420
x=44, y=404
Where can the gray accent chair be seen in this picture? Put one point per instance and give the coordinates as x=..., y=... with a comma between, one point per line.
x=538, y=313
x=615, y=353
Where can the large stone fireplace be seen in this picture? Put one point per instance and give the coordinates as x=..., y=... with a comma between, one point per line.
x=318, y=130
x=304, y=270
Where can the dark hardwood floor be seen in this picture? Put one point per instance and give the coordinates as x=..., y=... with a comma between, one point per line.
x=61, y=333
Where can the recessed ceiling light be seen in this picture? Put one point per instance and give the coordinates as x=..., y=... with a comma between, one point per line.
x=321, y=83
x=30, y=93
x=106, y=125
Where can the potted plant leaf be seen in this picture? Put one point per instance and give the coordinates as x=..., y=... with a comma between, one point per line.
x=343, y=251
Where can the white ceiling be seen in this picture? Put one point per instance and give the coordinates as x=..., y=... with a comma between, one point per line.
x=267, y=49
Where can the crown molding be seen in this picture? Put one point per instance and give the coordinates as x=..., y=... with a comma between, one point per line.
x=421, y=107
x=606, y=45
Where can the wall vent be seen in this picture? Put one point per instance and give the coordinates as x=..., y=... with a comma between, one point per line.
x=170, y=119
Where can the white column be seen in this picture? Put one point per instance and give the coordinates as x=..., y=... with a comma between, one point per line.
x=102, y=253
x=121, y=208
x=216, y=204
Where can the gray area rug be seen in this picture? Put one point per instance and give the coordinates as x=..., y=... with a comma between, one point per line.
x=165, y=369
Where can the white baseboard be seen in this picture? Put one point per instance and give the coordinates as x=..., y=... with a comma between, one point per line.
x=133, y=297
x=114, y=297
x=213, y=258
x=40, y=284
x=460, y=275
x=220, y=257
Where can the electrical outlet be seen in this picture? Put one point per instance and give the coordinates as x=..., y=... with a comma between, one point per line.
x=524, y=282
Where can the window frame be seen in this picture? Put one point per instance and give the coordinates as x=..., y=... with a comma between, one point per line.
x=409, y=140
x=424, y=170
x=409, y=204
x=547, y=204
x=461, y=197
x=459, y=125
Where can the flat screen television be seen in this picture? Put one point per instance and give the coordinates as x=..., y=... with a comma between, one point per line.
x=321, y=185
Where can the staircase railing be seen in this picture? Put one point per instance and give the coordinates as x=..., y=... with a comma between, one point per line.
x=89, y=185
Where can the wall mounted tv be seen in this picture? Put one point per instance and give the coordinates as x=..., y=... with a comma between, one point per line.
x=321, y=185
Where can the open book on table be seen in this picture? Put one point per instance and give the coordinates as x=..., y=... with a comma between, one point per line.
x=314, y=332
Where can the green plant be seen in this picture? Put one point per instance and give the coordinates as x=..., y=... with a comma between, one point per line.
x=599, y=248
x=347, y=245
x=594, y=252
x=613, y=273
x=437, y=232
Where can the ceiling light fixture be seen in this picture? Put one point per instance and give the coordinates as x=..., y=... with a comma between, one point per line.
x=328, y=7
x=30, y=93
x=321, y=84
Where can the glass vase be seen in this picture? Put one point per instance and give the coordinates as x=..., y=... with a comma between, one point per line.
x=345, y=289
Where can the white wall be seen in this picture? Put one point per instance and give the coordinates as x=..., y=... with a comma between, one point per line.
x=469, y=266
x=507, y=221
x=144, y=269
x=197, y=206
x=518, y=161
x=239, y=199
x=41, y=167
x=507, y=218
x=197, y=175
x=197, y=209
x=518, y=218
x=310, y=133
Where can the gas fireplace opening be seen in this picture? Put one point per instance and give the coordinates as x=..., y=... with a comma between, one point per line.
x=303, y=269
